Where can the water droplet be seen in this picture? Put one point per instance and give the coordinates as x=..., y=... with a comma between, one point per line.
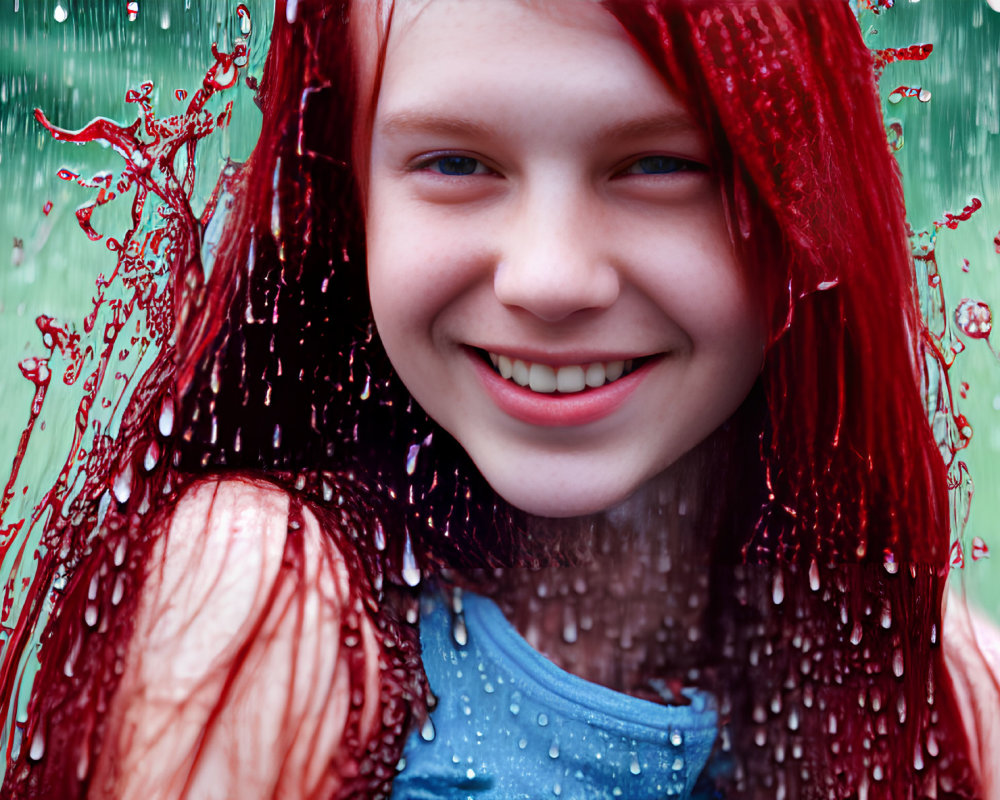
x=885, y=619
x=118, y=590
x=778, y=589
x=37, y=749
x=151, y=457
x=974, y=319
x=634, y=767
x=814, y=575
x=132, y=7
x=856, y=634
x=122, y=484
x=676, y=738
x=557, y=790
x=379, y=536
x=459, y=630
x=522, y=743
x=543, y=720
x=59, y=13
x=897, y=663
x=427, y=731
x=166, y=420
x=554, y=749
x=411, y=458
x=678, y=764
x=411, y=572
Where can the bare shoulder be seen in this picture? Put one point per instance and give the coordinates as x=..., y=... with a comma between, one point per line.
x=235, y=682
x=972, y=653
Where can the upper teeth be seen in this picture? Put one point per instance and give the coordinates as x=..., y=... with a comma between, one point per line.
x=571, y=378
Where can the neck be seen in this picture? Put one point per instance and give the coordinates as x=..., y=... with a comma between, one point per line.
x=628, y=610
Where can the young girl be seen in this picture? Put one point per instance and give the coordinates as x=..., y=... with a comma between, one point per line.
x=646, y=504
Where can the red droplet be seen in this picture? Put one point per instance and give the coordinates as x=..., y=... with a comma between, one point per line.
x=181, y=94
x=47, y=207
x=974, y=319
x=979, y=549
x=956, y=555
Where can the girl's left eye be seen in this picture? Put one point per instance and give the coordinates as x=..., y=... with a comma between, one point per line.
x=660, y=165
x=454, y=166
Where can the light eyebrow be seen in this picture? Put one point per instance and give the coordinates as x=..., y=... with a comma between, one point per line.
x=409, y=122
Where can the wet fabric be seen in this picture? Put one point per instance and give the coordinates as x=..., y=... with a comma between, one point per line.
x=511, y=724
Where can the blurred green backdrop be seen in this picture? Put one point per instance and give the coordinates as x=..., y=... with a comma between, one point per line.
x=75, y=59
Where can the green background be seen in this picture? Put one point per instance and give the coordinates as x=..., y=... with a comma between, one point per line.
x=76, y=58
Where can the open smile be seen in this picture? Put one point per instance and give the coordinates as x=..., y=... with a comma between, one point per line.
x=564, y=379
x=550, y=405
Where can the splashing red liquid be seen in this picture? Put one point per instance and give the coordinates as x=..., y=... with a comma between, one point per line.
x=158, y=162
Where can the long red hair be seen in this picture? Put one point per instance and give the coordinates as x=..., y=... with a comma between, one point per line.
x=830, y=569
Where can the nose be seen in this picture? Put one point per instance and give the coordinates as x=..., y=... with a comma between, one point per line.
x=555, y=262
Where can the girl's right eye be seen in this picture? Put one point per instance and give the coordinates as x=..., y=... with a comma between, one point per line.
x=453, y=166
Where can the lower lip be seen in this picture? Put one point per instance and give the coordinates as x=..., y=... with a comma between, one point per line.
x=558, y=410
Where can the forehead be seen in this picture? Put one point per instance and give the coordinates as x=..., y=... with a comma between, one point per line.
x=379, y=28
x=500, y=53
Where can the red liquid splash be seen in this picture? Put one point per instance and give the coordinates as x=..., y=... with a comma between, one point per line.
x=157, y=163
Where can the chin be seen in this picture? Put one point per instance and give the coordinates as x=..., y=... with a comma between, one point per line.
x=556, y=497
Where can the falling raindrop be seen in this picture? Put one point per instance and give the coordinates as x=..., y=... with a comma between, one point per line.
x=410, y=570
x=814, y=575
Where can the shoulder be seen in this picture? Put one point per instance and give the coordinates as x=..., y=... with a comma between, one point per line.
x=238, y=674
x=971, y=644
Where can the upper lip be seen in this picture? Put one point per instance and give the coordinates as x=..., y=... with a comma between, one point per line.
x=564, y=358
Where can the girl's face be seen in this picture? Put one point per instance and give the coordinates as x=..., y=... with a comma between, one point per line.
x=549, y=262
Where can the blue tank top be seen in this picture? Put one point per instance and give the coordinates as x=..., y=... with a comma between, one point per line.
x=511, y=724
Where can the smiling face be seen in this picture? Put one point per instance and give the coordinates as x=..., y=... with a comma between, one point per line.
x=549, y=263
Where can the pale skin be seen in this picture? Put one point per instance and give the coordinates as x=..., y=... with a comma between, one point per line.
x=553, y=206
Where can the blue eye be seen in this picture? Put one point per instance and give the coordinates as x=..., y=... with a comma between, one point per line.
x=658, y=165
x=455, y=166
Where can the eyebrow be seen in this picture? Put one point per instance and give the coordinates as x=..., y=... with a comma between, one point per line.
x=412, y=121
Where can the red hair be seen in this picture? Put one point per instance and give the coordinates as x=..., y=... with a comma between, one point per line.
x=831, y=562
